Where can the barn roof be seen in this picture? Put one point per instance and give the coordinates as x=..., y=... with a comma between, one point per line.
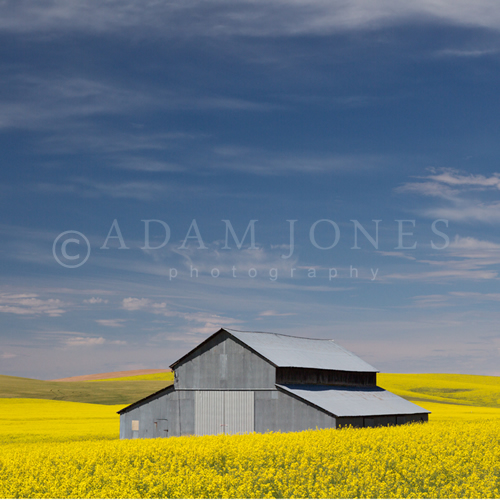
x=300, y=352
x=354, y=401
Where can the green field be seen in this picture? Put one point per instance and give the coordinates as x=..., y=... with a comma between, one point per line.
x=120, y=392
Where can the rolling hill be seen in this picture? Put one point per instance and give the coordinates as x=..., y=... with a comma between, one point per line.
x=118, y=392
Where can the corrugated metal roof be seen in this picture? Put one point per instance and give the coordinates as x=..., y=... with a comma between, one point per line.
x=298, y=352
x=354, y=402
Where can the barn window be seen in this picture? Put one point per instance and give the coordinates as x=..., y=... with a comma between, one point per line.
x=135, y=425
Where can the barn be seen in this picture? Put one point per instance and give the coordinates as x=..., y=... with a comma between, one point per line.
x=238, y=382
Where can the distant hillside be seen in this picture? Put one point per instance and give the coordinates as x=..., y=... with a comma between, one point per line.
x=169, y=375
x=473, y=390
x=127, y=374
x=121, y=392
x=469, y=390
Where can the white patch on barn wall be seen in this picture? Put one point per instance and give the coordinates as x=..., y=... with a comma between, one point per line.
x=135, y=429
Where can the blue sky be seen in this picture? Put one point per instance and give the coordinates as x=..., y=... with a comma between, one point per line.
x=318, y=112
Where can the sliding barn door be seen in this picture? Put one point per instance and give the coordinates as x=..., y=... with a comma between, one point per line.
x=224, y=412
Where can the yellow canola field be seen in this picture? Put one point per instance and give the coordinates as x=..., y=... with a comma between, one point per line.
x=435, y=460
x=37, y=420
x=473, y=390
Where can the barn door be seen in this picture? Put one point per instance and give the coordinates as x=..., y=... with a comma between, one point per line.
x=209, y=412
x=224, y=412
x=238, y=412
x=160, y=428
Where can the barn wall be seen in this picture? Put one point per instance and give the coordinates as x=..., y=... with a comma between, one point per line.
x=223, y=363
x=172, y=412
x=276, y=411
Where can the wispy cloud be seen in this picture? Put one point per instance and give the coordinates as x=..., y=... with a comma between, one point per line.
x=194, y=322
x=70, y=339
x=133, y=190
x=218, y=18
x=46, y=101
x=91, y=342
x=55, y=102
x=272, y=163
x=112, y=323
x=84, y=341
x=467, y=52
x=144, y=304
x=465, y=197
x=454, y=178
x=454, y=299
x=272, y=313
x=466, y=259
x=30, y=304
x=95, y=300
x=7, y=355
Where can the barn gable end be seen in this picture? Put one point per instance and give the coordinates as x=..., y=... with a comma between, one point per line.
x=223, y=362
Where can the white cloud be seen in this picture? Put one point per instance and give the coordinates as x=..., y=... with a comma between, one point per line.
x=62, y=103
x=466, y=258
x=8, y=355
x=253, y=18
x=196, y=322
x=135, y=190
x=274, y=313
x=272, y=163
x=468, y=246
x=429, y=189
x=112, y=323
x=134, y=304
x=48, y=101
x=84, y=341
x=433, y=300
x=476, y=296
x=469, y=53
x=465, y=197
x=30, y=304
x=400, y=255
x=95, y=300
x=454, y=299
x=467, y=212
x=453, y=178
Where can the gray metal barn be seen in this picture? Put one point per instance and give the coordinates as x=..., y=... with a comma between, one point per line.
x=237, y=382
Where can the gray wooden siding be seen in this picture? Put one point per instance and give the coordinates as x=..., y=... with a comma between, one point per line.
x=223, y=363
x=169, y=415
x=276, y=411
x=224, y=412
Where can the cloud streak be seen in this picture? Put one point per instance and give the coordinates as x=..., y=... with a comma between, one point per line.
x=247, y=18
x=465, y=198
x=466, y=259
x=30, y=304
